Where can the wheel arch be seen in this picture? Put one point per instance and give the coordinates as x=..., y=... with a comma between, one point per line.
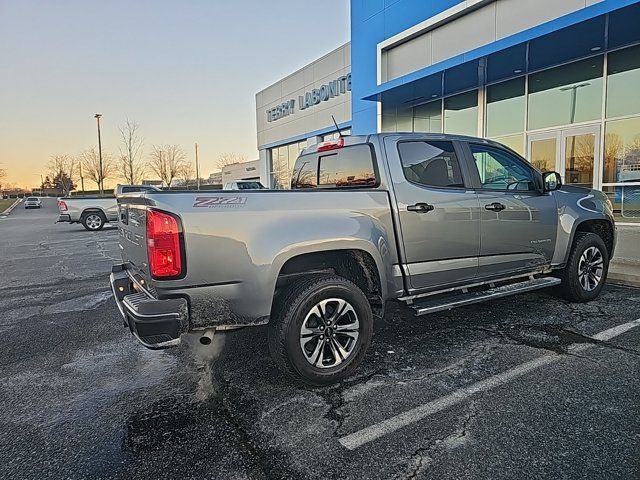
x=603, y=228
x=89, y=210
x=354, y=264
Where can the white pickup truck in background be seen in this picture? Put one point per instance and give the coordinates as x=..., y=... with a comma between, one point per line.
x=93, y=212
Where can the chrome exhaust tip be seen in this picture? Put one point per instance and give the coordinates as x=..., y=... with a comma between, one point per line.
x=207, y=336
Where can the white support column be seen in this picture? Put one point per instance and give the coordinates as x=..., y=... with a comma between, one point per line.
x=265, y=161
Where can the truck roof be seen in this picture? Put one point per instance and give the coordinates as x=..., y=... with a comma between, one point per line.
x=359, y=139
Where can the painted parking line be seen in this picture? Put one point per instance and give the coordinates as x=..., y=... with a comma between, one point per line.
x=373, y=432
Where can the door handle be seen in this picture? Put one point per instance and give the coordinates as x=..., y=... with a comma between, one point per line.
x=495, y=207
x=420, y=207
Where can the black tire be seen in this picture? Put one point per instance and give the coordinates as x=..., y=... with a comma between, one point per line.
x=573, y=284
x=295, y=305
x=93, y=221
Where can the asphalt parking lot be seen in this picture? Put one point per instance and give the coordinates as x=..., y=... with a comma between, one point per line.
x=524, y=387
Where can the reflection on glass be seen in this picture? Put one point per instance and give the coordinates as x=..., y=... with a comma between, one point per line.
x=514, y=142
x=388, y=123
x=428, y=117
x=623, y=78
x=505, y=107
x=543, y=154
x=567, y=94
x=626, y=201
x=282, y=160
x=579, y=157
x=340, y=172
x=461, y=114
x=622, y=151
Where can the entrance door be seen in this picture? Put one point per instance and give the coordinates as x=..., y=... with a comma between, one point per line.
x=573, y=152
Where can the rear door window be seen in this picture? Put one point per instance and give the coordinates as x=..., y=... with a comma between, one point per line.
x=431, y=163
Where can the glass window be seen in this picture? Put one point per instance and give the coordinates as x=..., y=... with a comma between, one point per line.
x=622, y=151
x=514, y=142
x=567, y=94
x=282, y=160
x=500, y=170
x=428, y=117
x=505, y=108
x=461, y=114
x=543, y=154
x=433, y=163
x=348, y=167
x=623, y=80
x=305, y=172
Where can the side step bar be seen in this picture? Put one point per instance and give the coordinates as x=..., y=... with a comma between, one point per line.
x=435, y=304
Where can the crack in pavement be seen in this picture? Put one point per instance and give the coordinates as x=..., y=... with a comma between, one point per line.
x=553, y=337
x=425, y=456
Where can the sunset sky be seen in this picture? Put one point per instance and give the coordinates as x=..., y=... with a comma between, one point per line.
x=186, y=71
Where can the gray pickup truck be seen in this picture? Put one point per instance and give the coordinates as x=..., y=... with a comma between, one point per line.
x=434, y=221
x=94, y=212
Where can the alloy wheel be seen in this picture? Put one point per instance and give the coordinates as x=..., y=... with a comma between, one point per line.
x=329, y=333
x=93, y=221
x=590, y=268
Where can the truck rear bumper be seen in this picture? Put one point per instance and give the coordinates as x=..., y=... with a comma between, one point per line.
x=155, y=323
x=64, y=217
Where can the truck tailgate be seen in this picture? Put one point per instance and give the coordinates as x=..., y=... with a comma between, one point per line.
x=132, y=230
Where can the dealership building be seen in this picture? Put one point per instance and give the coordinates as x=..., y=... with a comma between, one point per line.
x=556, y=80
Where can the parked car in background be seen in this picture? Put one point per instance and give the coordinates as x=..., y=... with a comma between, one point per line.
x=244, y=185
x=434, y=221
x=93, y=212
x=32, y=202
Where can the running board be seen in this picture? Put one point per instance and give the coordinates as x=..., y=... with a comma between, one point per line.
x=435, y=304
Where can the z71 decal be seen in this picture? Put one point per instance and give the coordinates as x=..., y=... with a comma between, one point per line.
x=220, y=202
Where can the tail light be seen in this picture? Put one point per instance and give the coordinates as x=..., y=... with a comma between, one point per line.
x=330, y=145
x=164, y=246
x=62, y=206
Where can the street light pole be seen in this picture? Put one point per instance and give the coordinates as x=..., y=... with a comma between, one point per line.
x=81, y=178
x=197, y=169
x=101, y=180
x=572, y=118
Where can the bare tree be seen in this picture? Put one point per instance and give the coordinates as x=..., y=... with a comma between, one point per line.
x=167, y=162
x=131, y=165
x=63, y=172
x=229, y=158
x=90, y=162
x=188, y=174
x=3, y=174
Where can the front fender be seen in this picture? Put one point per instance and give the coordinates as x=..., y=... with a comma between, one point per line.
x=575, y=207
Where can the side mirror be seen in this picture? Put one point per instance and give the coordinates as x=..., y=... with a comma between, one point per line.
x=552, y=181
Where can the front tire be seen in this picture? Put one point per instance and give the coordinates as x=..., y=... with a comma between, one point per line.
x=586, y=271
x=93, y=221
x=321, y=329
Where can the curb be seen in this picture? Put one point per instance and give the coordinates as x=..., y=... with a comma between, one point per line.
x=624, y=271
x=623, y=279
x=10, y=209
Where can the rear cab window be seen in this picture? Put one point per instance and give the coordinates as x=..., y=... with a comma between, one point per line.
x=431, y=163
x=348, y=167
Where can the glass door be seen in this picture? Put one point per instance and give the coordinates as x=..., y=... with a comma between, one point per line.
x=580, y=155
x=573, y=152
x=544, y=150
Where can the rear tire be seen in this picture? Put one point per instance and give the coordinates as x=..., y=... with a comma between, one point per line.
x=93, y=221
x=586, y=271
x=321, y=329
